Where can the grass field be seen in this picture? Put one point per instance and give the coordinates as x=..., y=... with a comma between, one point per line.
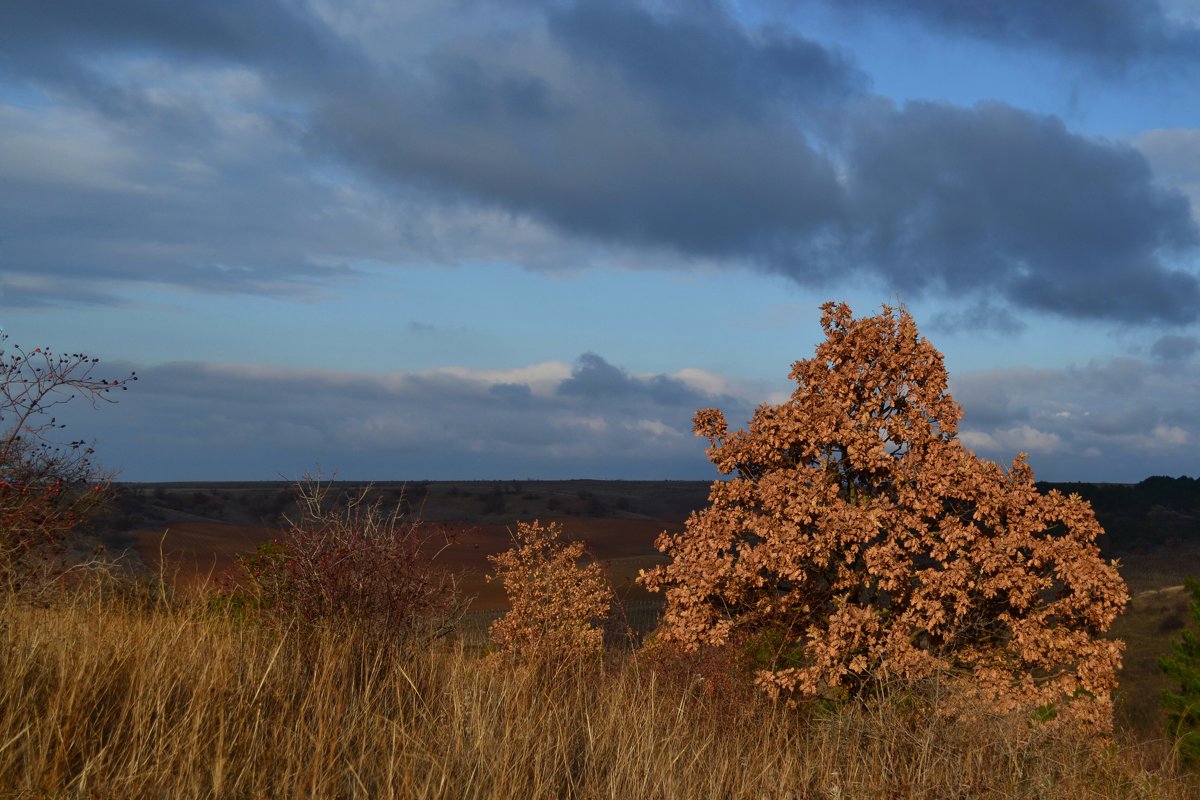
x=127, y=697
x=145, y=694
x=196, y=551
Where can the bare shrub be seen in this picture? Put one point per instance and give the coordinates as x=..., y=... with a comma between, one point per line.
x=558, y=606
x=863, y=534
x=350, y=558
x=48, y=486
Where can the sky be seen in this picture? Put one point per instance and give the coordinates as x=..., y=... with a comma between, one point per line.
x=468, y=239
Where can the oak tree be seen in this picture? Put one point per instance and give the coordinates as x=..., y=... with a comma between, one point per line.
x=559, y=602
x=860, y=537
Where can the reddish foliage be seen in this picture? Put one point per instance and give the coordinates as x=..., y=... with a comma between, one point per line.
x=861, y=529
x=353, y=560
x=47, y=487
x=720, y=674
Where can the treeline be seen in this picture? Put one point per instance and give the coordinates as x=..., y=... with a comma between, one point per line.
x=1158, y=512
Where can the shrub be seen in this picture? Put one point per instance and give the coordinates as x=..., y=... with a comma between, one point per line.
x=558, y=606
x=48, y=486
x=1182, y=705
x=874, y=546
x=349, y=558
x=720, y=674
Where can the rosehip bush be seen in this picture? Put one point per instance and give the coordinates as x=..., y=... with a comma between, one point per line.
x=558, y=606
x=872, y=545
x=48, y=485
x=345, y=557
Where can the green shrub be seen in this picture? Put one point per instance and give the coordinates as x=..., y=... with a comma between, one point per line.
x=1183, y=704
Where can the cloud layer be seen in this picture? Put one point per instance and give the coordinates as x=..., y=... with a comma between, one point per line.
x=271, y=147
x=1112, y=35
x=1118, y=419
x=192, y=420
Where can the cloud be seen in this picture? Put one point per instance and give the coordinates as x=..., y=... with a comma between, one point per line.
x=1019, y=438
x=594, y=379
x=194, y=420
x=1175, y=156
x=1111, y=35
x=996, y=198
x=1174, y=348
x=512, y=392
x=980, y=317
x=249, y=32
x=1117, y=419
x=701, y=69
x=609, y=170
x=280, y=148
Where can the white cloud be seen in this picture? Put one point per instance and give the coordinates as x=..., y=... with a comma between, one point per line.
x=1168, y=436
x=705, y=381
x=1141, y=416
x=654, y=428
x=65, y=148
x=1029, y=439
x=978, y=440
x=541, y=378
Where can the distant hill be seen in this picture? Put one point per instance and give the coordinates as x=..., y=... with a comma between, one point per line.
x=1140, y=517
x=1159, y=512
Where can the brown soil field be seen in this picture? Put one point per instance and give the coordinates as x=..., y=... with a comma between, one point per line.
x=189, y=552
x=192, y=552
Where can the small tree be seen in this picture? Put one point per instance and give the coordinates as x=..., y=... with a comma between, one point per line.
x=557, y=604
x=1183, y=667
x=48, y=486
x=861, y=540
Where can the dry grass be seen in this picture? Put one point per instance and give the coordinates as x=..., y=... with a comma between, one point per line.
x=110, y=698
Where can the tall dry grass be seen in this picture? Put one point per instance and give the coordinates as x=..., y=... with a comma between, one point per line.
x=119, y=697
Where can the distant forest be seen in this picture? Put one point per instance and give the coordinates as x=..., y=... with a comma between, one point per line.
x=1159, y=511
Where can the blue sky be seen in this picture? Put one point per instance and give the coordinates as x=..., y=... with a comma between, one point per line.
x=466, y=239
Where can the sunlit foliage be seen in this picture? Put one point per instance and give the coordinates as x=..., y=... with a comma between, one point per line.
x=868, y=543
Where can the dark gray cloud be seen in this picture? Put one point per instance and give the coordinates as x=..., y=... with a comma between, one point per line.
x=1119, y=419
x=1111, y=34
x=981, y=317
x=57, y=41
x=1175, y=348
x=512, y=392
x=704, y=68
x=196, y=421
x=617, y=174
x=594, y=379
x=264, y=147
x=999, y=198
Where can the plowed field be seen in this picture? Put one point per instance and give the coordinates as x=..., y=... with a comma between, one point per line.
x=193, y=552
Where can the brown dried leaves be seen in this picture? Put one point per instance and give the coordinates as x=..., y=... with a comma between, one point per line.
x=556, y=602
x=860, y=524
